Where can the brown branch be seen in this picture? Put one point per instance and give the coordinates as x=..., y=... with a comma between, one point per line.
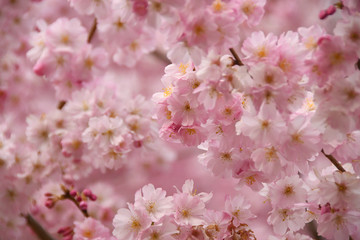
x=37, y=228
x=92, y=31
x=339, y=5
x=333, y=161
x=159, y=55
x=236, y=56
x=61, y=104
x=312, y=230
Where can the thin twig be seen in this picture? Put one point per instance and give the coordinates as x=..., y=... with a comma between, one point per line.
x=311, y=227
x=37, y=228
x=162, y=57
x=333, y=161
x=236, y=56
x=61, y=104
x=92, y=31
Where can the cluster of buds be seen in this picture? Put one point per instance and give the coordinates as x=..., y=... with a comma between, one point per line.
x=79, y=198
x=330, y=10
x=67, y=233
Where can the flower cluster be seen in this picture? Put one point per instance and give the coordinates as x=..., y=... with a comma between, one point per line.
x=183, y=215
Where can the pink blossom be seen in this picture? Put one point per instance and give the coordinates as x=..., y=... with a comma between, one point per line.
x=332, y=55
x=251, y=10
x=284, y=219
x=340, y=189
x=91, y=229
x=65, y=35
x=239, y=208
x=130, y=223
x=185, y=111
x=163, y=230
x=153, y=201
x=339, y=224
x=99, y=8
x=188, y=209
x=216, y=223
x=287, y=191
x=263, y=128
x=258, y=48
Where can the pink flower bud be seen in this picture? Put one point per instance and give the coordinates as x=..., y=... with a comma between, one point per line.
x=83, y=205
x=62, y=230
x=93, y=197
x=68, y=232
x=39, y=69
x=48, y=194
x=73, y=193
x=331, y=10
x=140, y=8
x=78, y=198
x=49, y=203
x=137, y=144
x=323, y=14
x=87, y=192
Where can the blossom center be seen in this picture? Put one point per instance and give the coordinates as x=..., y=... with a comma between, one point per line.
x=226, y=156
x=288, y=190
x=341, y=187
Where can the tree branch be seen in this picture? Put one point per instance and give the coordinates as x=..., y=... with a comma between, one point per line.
x=334, y=161
x=159, y=55
x=236, y=56
x=92, y=31
x=37, y=228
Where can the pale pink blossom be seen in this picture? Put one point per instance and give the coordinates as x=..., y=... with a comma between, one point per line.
x=65, y=35
x=259, y=48
x=162, y=230
x=285, y=219
x=339, y=224
x=239, y=208
x=265, y=127
x=153, y=201
x=98, y=7
x=91, y=229
x=188, y=209
x=287, y=191
x=130, y=223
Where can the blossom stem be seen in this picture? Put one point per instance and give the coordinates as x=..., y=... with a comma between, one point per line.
x=311, y=227
x=67, y=195
x=339, y=5
x=236, y=56
x=92, y=31
x=61, y=105
x=37, y=228
x=162, y=57
x=333, y=161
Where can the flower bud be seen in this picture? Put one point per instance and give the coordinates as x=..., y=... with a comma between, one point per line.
x=83, y=205
x=73, y=193
x=87, y=192
x=331, y=10
x=323, y=14
x=93, y=197
x=49, y=203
